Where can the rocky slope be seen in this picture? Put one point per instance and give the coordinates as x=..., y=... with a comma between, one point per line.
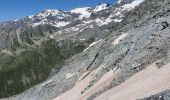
x=36, y=47
x=132, y=62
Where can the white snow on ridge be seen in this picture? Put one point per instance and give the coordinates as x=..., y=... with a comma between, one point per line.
x=100, y=7
x=129, y=6
x=52, y=12
x=117, y=20
x=87, y=22
x=84, y=12
x=39, y=23
x=42, y=22
x=31, y=16
x=48, y=12
x=15, y=20
x=132, y=5
x=102, y=22
x=119, y=1
x=60, y=24
x=92, y=45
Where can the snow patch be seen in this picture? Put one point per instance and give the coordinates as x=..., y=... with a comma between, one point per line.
x=51, y=36
x=84, y=12
x=15, y=20
x=87, y=22
x=69, y=75
x=101, y=7
x=6, y=51
x=119, y=1
x=117, y=20
x=132, y=5
x=31, y=16
x=91, y=26
x=122, y=36
x=126, y=7
x=99, y=21
x=39, y=23
x=61, y=24
x=103, y=21
x=92, y=45
x=46, y=82
x=49, y=12
x=82, y=39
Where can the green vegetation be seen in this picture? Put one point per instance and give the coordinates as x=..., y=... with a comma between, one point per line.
x=20, y=72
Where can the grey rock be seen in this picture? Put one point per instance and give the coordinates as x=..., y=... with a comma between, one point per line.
x=145, y=43
x=160, y=96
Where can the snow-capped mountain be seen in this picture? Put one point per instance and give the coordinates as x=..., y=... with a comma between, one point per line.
x=79, y=23
x=84, y=12
x=102, y=14
x=38, y=43
x=52, y=17
x=101, y=7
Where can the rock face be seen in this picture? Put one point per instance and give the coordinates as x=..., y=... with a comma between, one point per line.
x=36, y=47
x=160, y=96
x=93, y=54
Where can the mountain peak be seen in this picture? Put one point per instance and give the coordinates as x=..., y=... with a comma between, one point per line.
x=128, y=1
x=101, y=6
x=48, y=12
x=84, y=12
x=132, y=4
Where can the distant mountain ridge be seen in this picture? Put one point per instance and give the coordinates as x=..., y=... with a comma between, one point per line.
x=37, y=47
x=61, y=18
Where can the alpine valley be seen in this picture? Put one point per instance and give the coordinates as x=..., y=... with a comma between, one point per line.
x=117, y=51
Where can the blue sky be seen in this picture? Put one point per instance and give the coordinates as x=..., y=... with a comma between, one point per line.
x=15, y=9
